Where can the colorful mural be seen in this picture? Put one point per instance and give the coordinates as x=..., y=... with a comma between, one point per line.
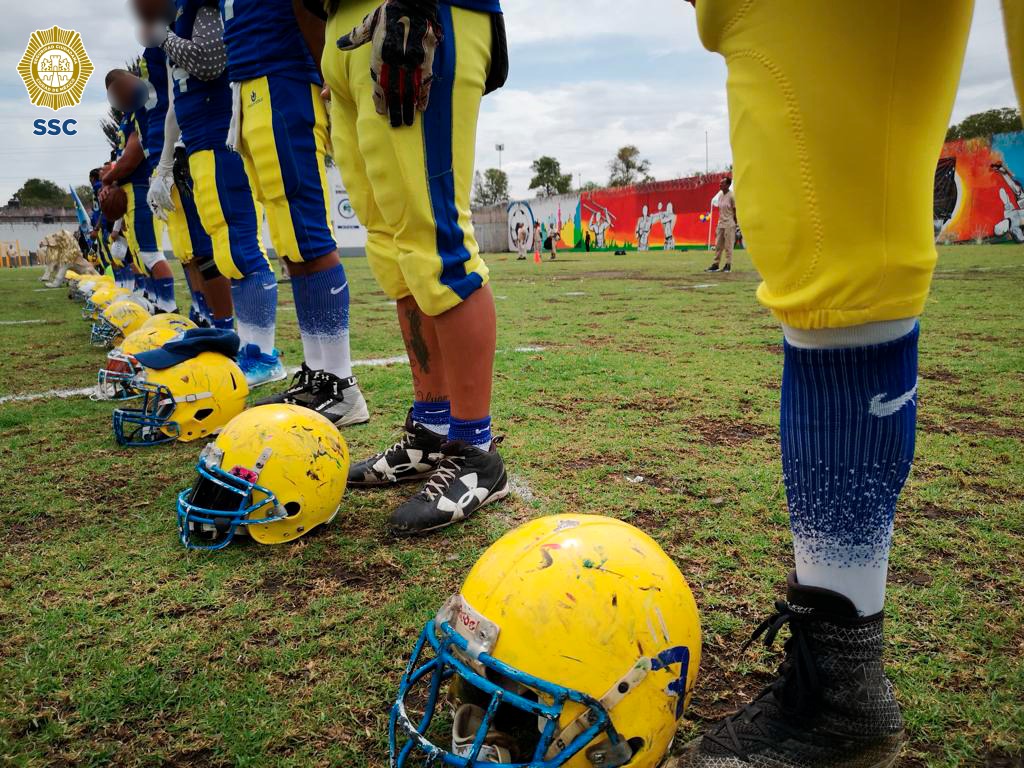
x=662, y=215
x=979, y=192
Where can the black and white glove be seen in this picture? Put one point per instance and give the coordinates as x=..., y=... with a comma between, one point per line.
x=404, y=35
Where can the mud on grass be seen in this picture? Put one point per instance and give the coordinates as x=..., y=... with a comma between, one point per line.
x=654, y=400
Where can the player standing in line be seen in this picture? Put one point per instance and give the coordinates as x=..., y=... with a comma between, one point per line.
x=279, y=126
x=404, y=114
x=144, y=98
x=837, y=108
x=204, y=173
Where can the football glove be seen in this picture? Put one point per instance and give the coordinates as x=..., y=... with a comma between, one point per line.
x=404, y=35
x=159, y=195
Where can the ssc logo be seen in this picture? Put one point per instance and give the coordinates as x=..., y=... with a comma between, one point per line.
x=55, y=68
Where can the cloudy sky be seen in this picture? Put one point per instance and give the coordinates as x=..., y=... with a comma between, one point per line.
x=583, y=83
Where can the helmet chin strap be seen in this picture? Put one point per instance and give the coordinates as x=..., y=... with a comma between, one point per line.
x=604, y=754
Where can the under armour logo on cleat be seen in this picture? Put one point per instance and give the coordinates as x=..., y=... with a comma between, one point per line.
x=881, y=407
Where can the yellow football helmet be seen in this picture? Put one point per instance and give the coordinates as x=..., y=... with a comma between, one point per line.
x=188, y=401
x=71, y=276
x=120, y=318
x=100, y=299
x=275, y=472
x=574, y=642
x=114, y=381
x=169, y=320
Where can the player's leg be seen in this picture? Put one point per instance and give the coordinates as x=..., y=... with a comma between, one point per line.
x=728, y=243
x=284, y=133
x=719, y=249
x=149, y=251
x=421, y=178
x=838, y=113
x=230, y=214
x=1013, y=18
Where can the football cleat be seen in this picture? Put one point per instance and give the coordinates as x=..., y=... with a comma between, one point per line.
x=299, y=392
x=188, y=401
x=574, y=641
x=712, y=268
x=831, y=705
x=275, y=472
x=339, y=400
x=727, y=268
x=260, y=368
x=465, y=479
x=414, y=457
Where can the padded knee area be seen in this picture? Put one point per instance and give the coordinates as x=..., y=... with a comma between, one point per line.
x=151, y=258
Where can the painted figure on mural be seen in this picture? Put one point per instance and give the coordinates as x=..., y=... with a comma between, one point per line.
x=667, y=218
x=599, y=224
x=643, y=229
x=1013, y=206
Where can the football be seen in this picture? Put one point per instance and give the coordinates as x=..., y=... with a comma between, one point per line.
x=113, y=202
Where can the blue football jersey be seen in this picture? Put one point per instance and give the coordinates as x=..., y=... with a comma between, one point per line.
x=263, y=38
x=153, y=69
x=203, y=107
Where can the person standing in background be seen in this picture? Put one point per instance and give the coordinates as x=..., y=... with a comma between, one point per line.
x=725, y=235
x=521, y=241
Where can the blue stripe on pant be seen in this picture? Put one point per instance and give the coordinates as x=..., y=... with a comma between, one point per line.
x=437, y=137
x=239, y=209
x=142, y=220
x=202, y=245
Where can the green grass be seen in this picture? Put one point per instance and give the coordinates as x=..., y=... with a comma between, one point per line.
x=118, y=647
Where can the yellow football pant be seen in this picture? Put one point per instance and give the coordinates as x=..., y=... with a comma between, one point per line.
x=410, y=186
x=837, y=115
x=177, y=229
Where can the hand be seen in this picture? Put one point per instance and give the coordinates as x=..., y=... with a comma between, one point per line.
x=404, y=35
x=159, y=195
x=152, y=34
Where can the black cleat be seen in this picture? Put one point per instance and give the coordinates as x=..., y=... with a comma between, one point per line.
x=340, y=400
x=727, y=268
x=712, y=268
x=465, y=480
x=299, y=392
x=414, y=457
x=831, y=705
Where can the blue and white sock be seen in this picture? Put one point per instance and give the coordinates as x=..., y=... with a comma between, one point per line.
x=255, y=297
x=847, y=425
x=163, y=288
x=198, y=300
x=139, y=284
x=432, y=415
x=477, y=432
x=321, y=304
x=223, y=323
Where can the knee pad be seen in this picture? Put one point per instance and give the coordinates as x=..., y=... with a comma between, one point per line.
x=207, y=267
x=151, y=258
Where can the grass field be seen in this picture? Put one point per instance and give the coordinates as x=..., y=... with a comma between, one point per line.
x=649, y=392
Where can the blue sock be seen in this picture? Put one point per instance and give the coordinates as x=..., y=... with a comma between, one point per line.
x=434, y=415
x=847, y=427
x=477, y=432
x=224, y=323
x=321, y=305
x=163, y=288
x=141, y=282
x=255, y=297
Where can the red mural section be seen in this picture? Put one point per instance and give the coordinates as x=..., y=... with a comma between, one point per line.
x=660, y=215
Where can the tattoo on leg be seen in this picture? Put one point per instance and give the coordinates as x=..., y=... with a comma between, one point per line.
x=417, y=347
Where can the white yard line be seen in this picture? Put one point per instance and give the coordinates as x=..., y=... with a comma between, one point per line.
x=520, y=488
x=64, y=394
x=22, y=322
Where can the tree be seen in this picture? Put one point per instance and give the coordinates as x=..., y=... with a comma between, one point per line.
x=109, y=123
x=85, y=195
x=628, y=167
x=548, y=177
x=41, y=193
x=1005, y=120
x=589, y=186
x=490, y=188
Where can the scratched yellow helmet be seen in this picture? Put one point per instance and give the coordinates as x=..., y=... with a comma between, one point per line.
x=120, y=318
x=275, y=472
x=100, y=299
x=191, y=400
x=575, y=641
x=170, y=320
x=113, y=382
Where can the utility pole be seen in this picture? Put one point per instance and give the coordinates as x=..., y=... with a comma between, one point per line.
x=707, y=166
x=500, y=148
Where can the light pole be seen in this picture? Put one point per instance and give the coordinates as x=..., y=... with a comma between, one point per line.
x=500, y=148
x=707, y=168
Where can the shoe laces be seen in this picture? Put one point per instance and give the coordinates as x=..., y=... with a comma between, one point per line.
x=300, y=382
x=446, y=472
x=791, y=697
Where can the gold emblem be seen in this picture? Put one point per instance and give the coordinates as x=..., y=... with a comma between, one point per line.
x=55, y=68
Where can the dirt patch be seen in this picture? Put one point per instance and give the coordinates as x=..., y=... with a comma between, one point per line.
x=1001, y=759
x=969, y=427
x=727, y=432
x=940, y=373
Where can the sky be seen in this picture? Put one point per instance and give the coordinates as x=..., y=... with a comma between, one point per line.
x=582, y=84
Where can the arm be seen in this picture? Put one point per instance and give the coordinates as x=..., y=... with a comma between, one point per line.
x=130, y=160
x=171, y=134
x=314, y=30
x=205, y=55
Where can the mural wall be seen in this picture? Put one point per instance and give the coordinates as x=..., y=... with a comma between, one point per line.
x=663, y=215
x=979, y=192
